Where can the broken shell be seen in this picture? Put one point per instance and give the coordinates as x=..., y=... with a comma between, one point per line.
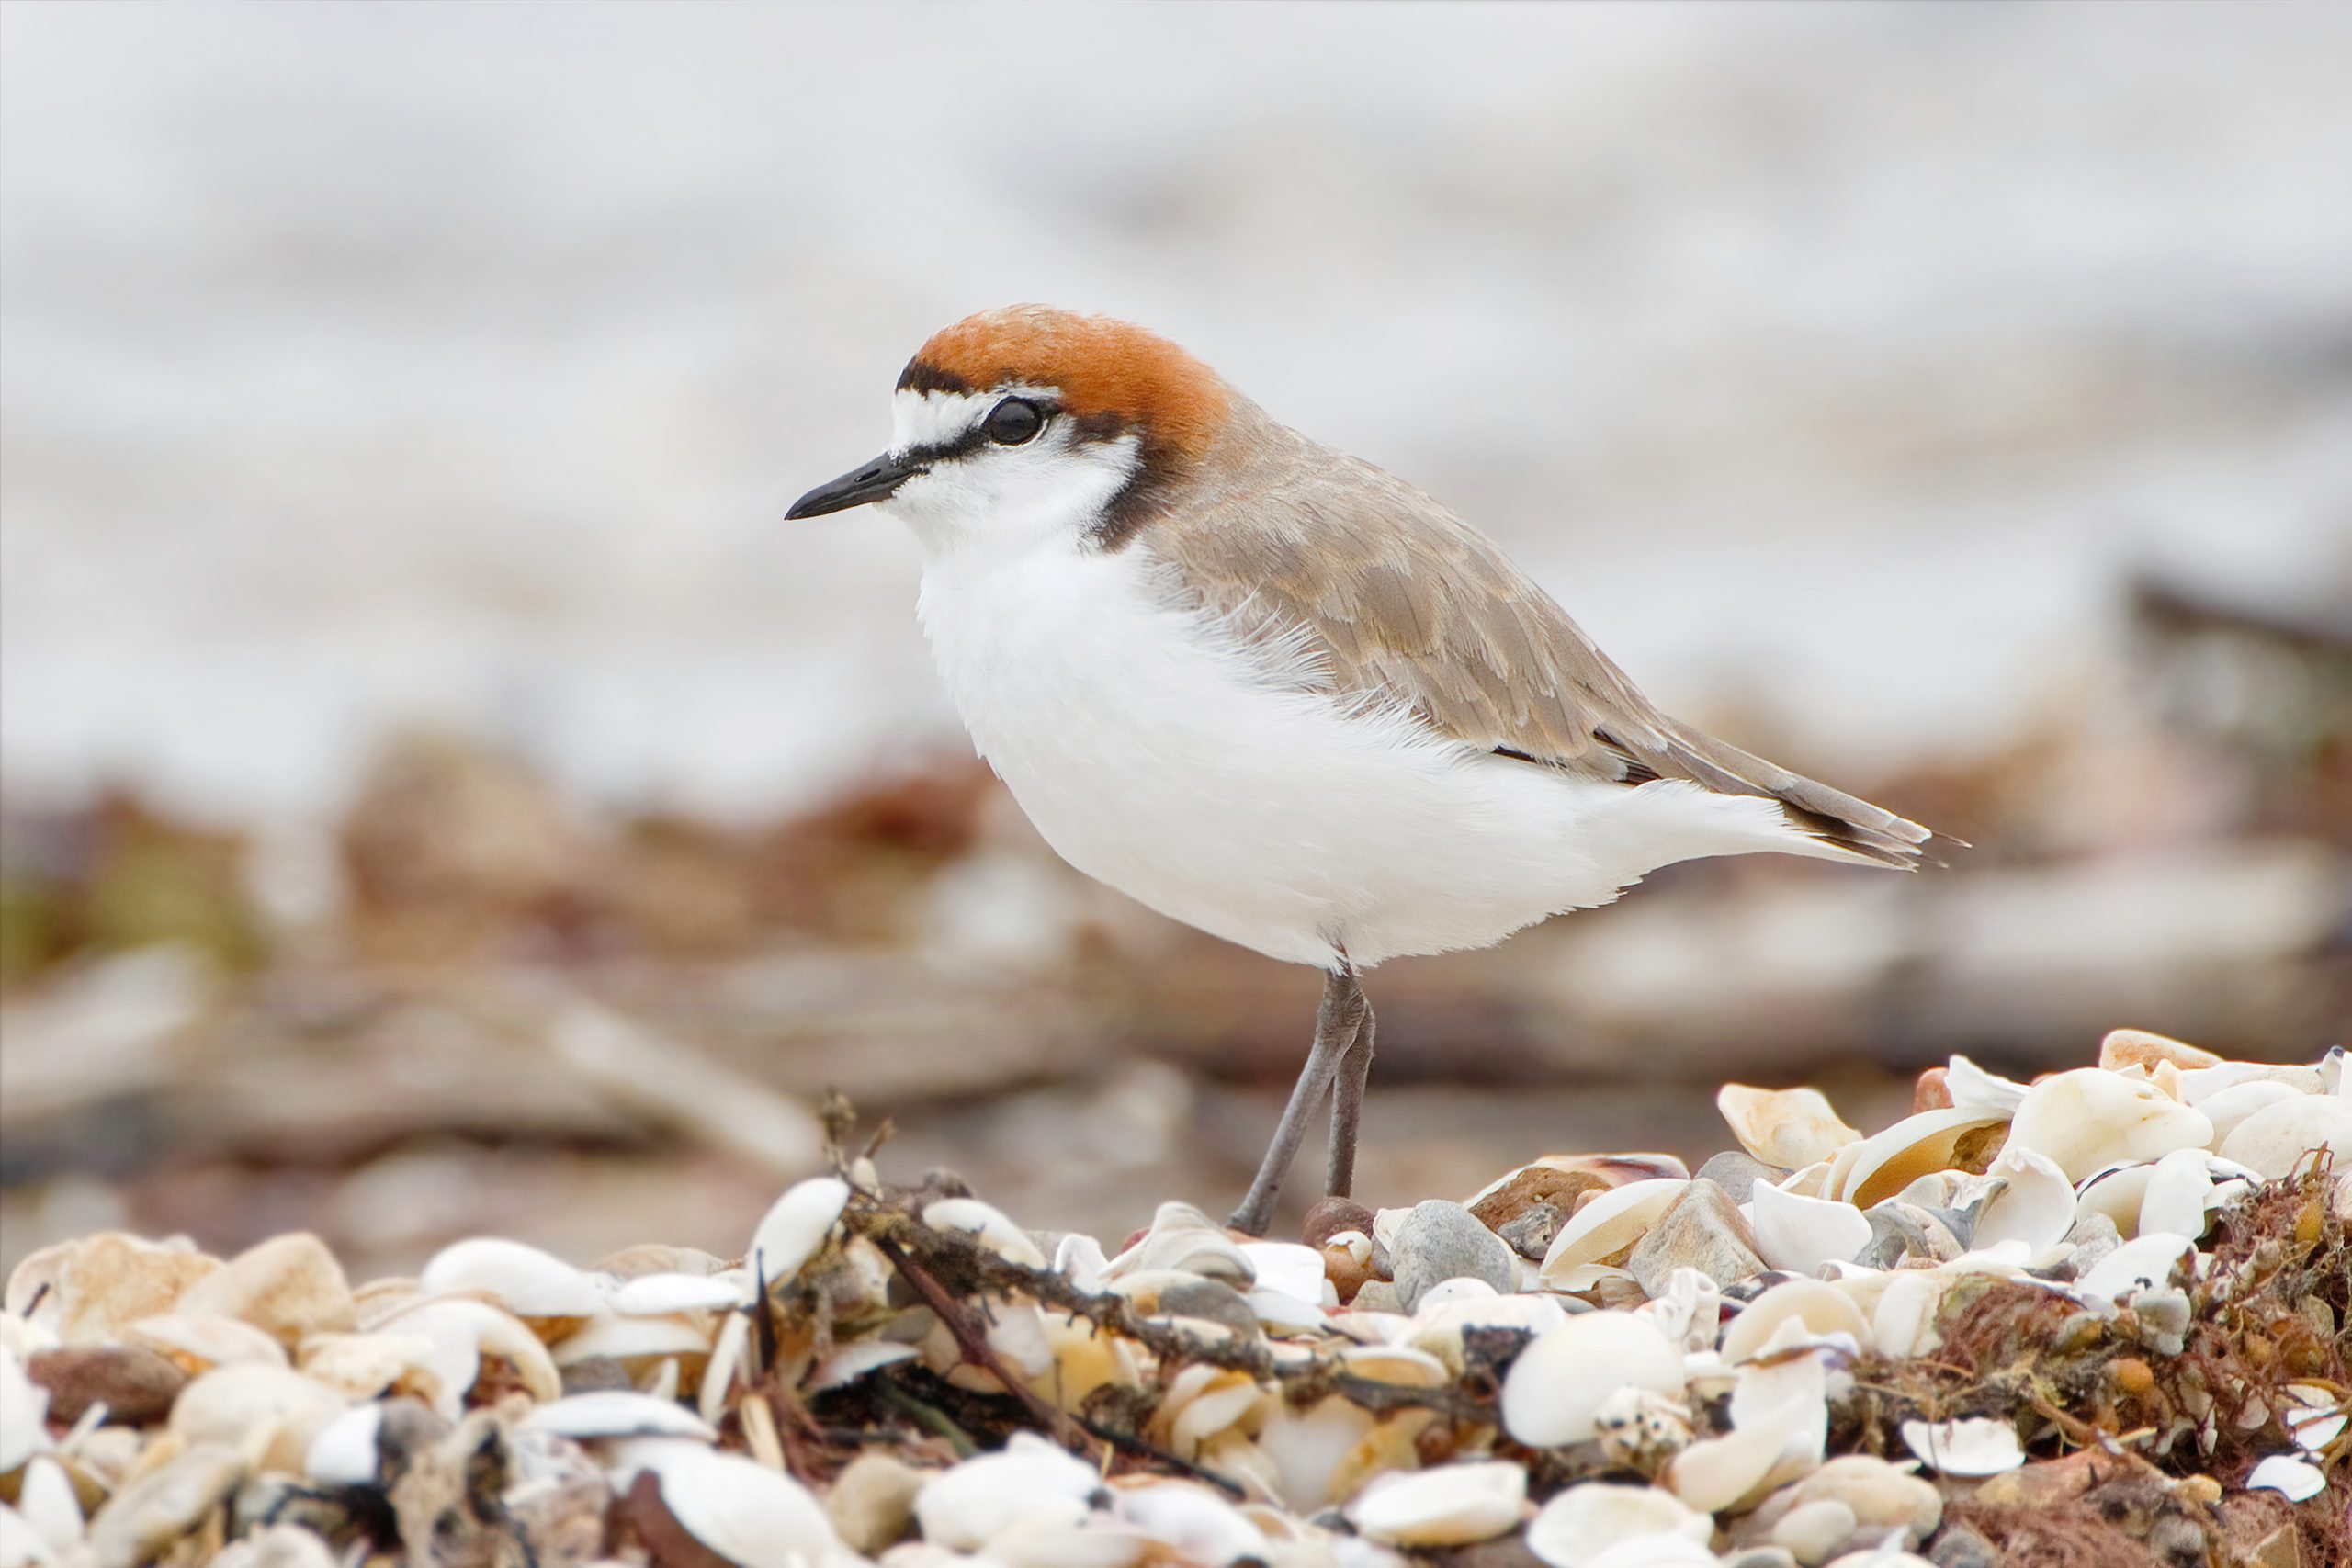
x=164, y=1504
x=1193, y=1523
x=196, y=1343
x=620, y=1338
x=1575, y=1528
x=736, y=1507
x=2147, y=1263
x=1883, y=1165
x=1030, y=1483
x=656, y=1295
x=1975, y=1446
x=361, y=1366
x=89, y=1288
x=343, y=1452
x=267, y=1415
x=1802, y=1234
x=1973, y=1088
x=288, y=1286
x=795, y=1226
x=2035, y=1204
x=2086, y=1118
x=616, y=1412
x=1184, y=1239
x=1787, y=1127
x=24, y=1414
x=1558, y=1385
x=1641, y=1430
x=463, y=1332
x=2137, y=1048
x=1903, y=1320
x=524, y=1280
x=848, y=1364
x=1321, y=1455
x=2297, y=1480
x=1452, y=1505
x=46, y=1501
x=1717, y=1472
x=1610, y=1224
x=2226, y=1108
x=991, y=1225
x=2278, y=1140
x=1289, y=1268
x=1822, y=1308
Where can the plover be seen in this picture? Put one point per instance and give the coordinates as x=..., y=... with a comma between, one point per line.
x=1272, y=692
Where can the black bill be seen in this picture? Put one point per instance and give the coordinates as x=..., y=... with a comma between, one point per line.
x=871, y=483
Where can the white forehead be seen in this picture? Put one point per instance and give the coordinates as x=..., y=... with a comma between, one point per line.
x=940, y=418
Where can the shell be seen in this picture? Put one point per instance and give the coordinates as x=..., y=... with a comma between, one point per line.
x=1558, y=1385
x=2226, y=1108
x=2086, y=1118
x=289, y=1286
x=1786, y=1127
x=2277, y=1140
x=616, y=1412
x=2035, y=1204
x=269, y=1414
x=1973, y=1447
x=361, y=1366
x=1184, y=1239
x=739, y=1509
x=991, y=1225
x=849, y=1363
x=1193, y=1523
x=207, y=1341
x=1608, y=1226
x=795, y=1226
x=1452, y=1505
x=463, y=1332
x=343, y=1452
x=522, y=1280
x=24, y=1414
x=1291, y=1269
x=2297, y=1480
x=49, y=1509
x=1584, y=1521
x=1802, y=1234
x=656, y=1295
x=2137, y=1048
x=1973, y=1088
x=1029, y=1483
x=1883, y=1165
x=89, y=1288
x=2145, y=1263
x=1821, y=1309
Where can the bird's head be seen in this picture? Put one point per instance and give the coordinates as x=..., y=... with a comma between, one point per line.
x=1028, y=423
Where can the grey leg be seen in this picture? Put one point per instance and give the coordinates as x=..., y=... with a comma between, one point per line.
x=1335, y=1032
x=1346, y=1109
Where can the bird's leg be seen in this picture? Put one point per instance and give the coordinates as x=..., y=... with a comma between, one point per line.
x=1334, y=1032
x=1347, y=1107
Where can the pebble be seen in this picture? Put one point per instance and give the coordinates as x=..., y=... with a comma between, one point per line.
x=872, y=1503
x=1737, y=1172
x=1440, y=1241
x=1814, y=1531
x=1880, y=1496
x=1530, y=1232
x=1704, y=1230
x=135, y=1384
x=1961, y=1546
x=1329, y=1216
x=1212, y=1299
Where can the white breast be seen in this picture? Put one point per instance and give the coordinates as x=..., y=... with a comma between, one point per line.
x=1156, y=752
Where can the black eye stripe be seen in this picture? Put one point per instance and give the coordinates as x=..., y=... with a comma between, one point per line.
x=976, y=436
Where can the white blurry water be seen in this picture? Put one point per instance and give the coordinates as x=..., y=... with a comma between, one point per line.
x=364, y=364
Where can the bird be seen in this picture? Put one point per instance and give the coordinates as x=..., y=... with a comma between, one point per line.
x=1274, y=693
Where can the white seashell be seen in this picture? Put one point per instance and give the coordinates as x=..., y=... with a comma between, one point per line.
x=795, y=1226
x=269, y=1414
x=1281, y=1314
x=1610, y=1224
x=1584, y=1522
x=2313, y=1425
x=1193, y=1523
x=24, y=1414
x=2142, y=1264
x=1097, y=1543
x=619, y=1338
x=215, y=1341
x=2278, y=1140
x=616, y=1412
x=1396, y=1364
x=1030, y=1483
x=1688, y=1311
x=1973, y=1088
x=728, y=1348
x=1080, y=1259
x=1821, y=1308
x=361, y=1366
x=523, y=1280
x=1557, y=1386
x=1184, y=1239
x=1784, y=1127
x=2226, y=1108
x=738, y=1507
x=1902, y=1321
x=1717, y=1472
x=2204, y=1083
x=2088, y=1118
x=1658, y=1551
x=656, y=1295
x=462, y=1332
x=1447, y=1292
x=991, y=1225
x=2297, y=1480
x=2035, y=1204
x=1971, y=1446
x=1290, y=1269
x=851, y=1362
x=2180, y=1194
x=1452, y=1505
x=21, y=1546
x=45, y=1498
x=1315, y=1455
x=344, y=1452
x=1884, y=1164
x=1802, y=1234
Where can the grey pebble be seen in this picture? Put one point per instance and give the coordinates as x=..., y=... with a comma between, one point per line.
x=1440, y=1241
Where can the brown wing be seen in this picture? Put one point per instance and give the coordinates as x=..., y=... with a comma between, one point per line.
x=1402, y=601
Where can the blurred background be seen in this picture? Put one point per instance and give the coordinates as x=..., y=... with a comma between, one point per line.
x=442, y=794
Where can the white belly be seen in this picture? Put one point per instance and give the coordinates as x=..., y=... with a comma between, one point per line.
x=1155, y=753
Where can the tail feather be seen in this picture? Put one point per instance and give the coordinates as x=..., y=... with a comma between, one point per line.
x=1848, y=822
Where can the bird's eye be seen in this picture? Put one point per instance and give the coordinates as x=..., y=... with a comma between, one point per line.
x=1013, y=421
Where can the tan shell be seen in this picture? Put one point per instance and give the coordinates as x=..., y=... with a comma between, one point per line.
x=1784, y=1127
